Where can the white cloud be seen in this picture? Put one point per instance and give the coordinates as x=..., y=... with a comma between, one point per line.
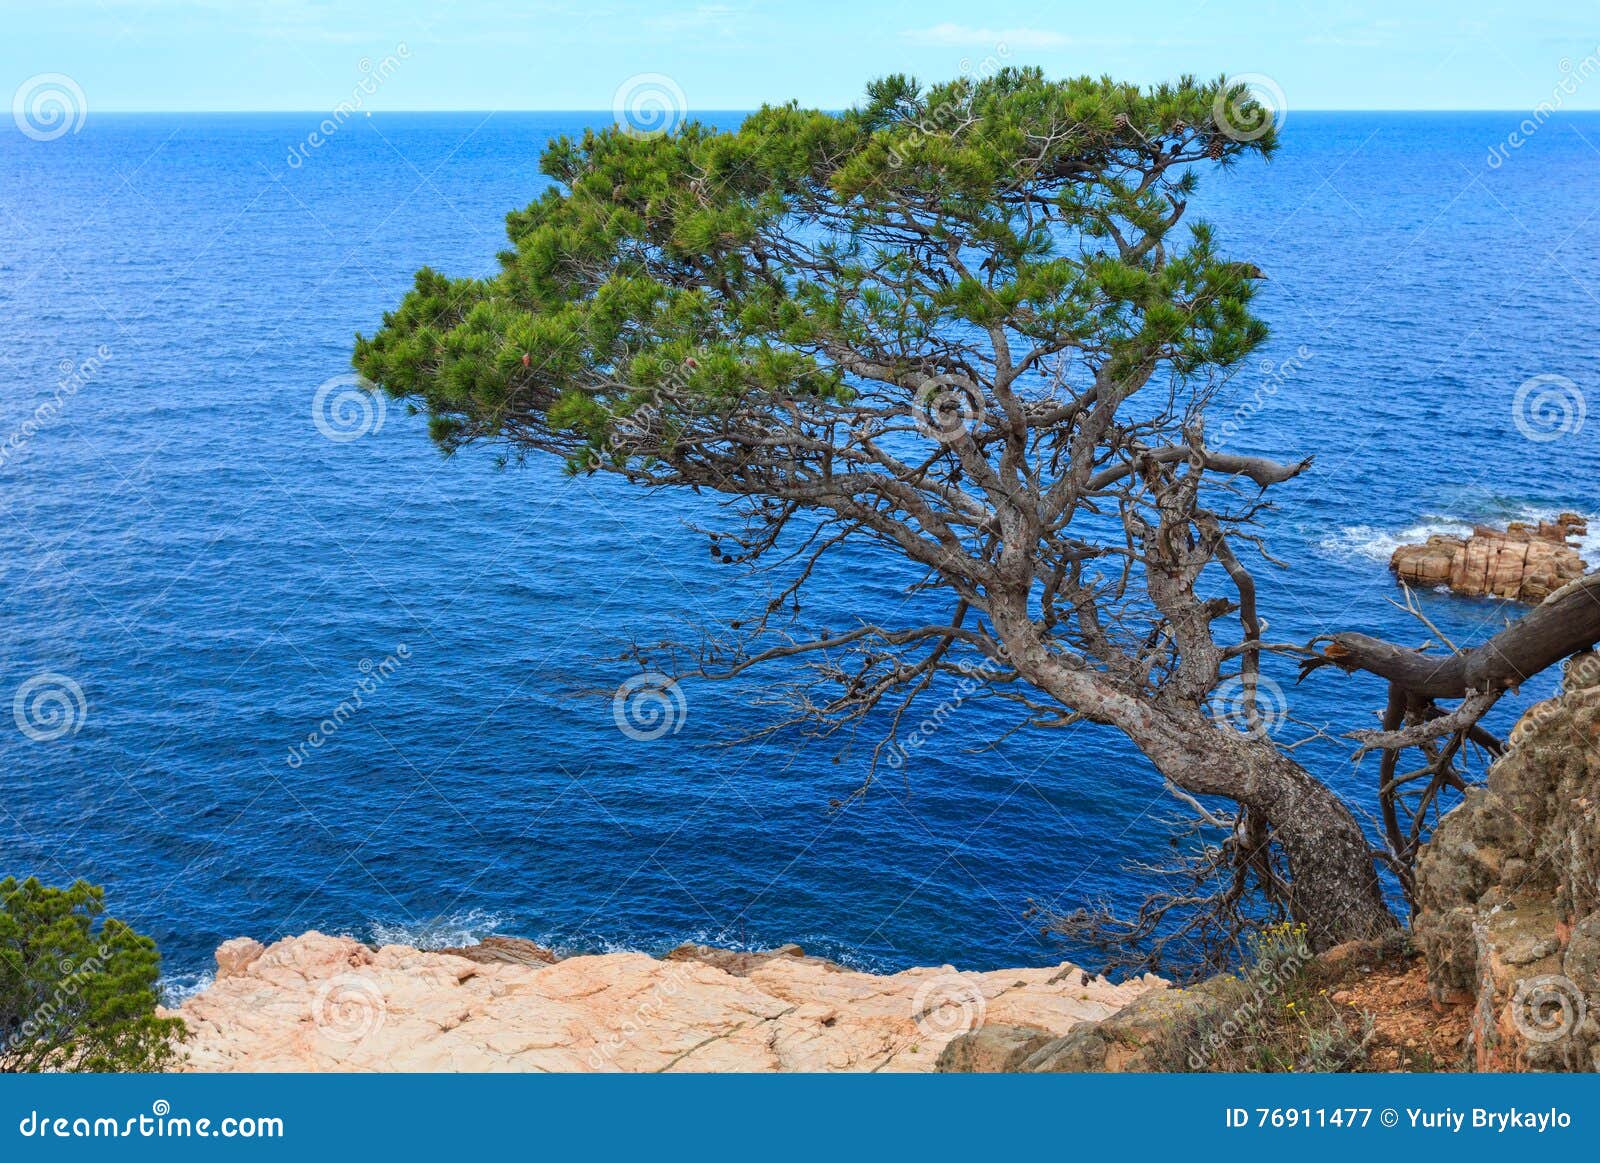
x=962, y=36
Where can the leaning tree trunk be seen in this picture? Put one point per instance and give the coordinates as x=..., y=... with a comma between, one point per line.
x=1334, y=889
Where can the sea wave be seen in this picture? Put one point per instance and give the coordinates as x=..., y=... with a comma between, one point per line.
x=1377, y=543
x=180, y=987
x=735, y=940
x=1588, y=546
x=442, y=932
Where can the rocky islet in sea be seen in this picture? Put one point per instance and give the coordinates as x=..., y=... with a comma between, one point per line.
x=1524, y=562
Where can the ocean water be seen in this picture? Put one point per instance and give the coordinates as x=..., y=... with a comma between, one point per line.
x=186, y=548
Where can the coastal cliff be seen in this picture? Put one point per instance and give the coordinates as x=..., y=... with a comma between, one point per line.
x=1509, y=890
x=321, y=1003
x=1498, y=973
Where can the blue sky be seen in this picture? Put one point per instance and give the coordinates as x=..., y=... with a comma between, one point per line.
x=491, y=54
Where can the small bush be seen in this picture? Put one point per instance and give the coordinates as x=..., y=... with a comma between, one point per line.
x=78, y=990
x=1272, y=1016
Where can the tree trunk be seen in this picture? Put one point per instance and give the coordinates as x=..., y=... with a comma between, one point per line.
x=1334, y=891
x=1334, y=887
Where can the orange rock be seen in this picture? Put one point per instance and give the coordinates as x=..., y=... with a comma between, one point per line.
x=1523, y=562
x=235, y=956
x=319, y=1003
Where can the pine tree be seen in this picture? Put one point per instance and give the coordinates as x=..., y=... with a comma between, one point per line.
x=78, y=990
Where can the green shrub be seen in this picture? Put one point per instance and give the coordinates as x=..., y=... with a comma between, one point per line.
x=78, y=990
x=1273, y=1015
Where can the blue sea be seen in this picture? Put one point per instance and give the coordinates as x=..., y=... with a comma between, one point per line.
x=195, y=576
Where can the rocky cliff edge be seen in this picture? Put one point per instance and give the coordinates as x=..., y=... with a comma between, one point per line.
x=321, y=1003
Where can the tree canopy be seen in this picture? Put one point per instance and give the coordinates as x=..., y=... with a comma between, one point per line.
x=808, y=252
x=78, y=989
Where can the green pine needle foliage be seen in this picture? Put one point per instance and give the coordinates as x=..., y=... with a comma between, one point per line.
x=78, y=990
x=741, y=263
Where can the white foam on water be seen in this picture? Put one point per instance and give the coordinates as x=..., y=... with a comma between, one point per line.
x=1588, y=546
x=1378, y=544
x=180, y=987
x=466, y=928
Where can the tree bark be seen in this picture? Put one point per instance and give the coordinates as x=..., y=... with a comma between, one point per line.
x=1334, y=887
x=1564, y=623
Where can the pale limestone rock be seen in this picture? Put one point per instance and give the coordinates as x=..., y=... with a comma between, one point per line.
x=235, y=956
x=320, y=1003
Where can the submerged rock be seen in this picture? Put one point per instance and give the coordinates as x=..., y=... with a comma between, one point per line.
x=739, y=963
x=511, y=950
x=1523, y=562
